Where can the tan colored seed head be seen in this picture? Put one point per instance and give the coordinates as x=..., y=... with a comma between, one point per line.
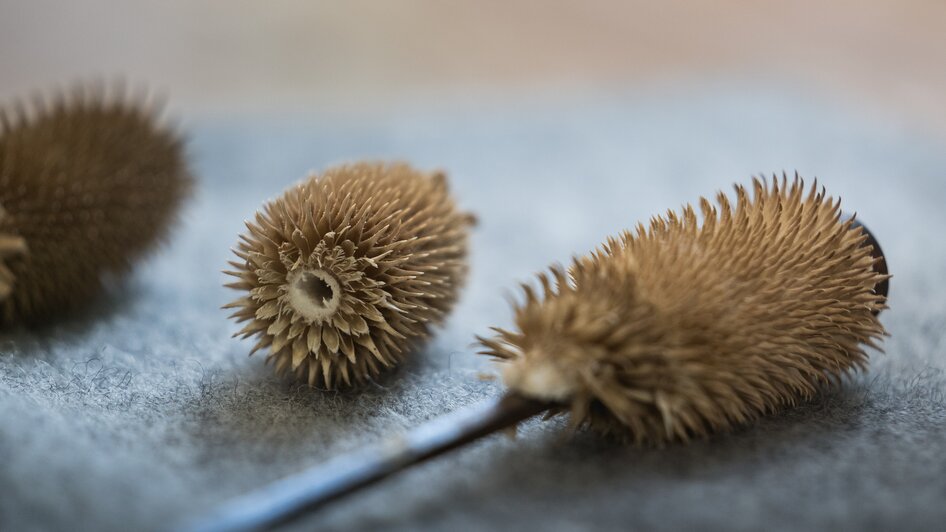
x=349, y=269
x=685, y=329
x=88, y=183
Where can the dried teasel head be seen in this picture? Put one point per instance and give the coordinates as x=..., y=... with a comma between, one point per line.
x=347, y=270
x=89, y=181
x=687, y=328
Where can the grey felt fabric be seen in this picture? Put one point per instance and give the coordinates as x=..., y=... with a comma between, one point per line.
x=143, y=412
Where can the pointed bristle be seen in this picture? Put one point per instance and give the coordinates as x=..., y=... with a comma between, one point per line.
x=347, y=270
x=687, y=329
x=89, y=182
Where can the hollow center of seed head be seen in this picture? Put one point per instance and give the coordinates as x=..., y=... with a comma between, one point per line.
x=314, y=293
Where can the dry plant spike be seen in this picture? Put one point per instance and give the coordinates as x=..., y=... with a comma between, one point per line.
x=89, y=181
x=684, y=328
x=347, y=270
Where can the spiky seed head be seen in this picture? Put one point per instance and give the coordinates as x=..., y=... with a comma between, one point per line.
x=349, y=269
x=689, y=328
x=89, y=181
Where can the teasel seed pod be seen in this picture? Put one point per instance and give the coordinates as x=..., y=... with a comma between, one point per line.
x=89, y=182
x=672, y=332
x=684, y=328
x=348, y=270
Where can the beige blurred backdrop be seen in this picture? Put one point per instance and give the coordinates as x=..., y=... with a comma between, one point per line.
x=279, y=56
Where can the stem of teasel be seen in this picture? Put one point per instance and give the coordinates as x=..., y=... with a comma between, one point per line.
x=287, y=499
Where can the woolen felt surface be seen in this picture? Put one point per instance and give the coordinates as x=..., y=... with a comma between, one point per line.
x=141, y=412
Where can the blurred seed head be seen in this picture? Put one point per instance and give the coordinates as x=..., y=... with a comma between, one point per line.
x=89, y=181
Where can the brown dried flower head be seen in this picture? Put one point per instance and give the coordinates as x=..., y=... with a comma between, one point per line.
x=347, y=270
x=687, y=328
x=88, y=183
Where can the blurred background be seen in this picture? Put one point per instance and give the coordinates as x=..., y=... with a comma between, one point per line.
x=559, y=123
x=241, y=57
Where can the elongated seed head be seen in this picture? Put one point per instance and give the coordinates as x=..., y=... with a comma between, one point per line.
x=690, y=327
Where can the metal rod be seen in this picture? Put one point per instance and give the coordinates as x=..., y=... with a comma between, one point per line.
x=287, y=499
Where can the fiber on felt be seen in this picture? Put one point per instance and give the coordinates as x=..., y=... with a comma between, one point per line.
x=145, y=412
